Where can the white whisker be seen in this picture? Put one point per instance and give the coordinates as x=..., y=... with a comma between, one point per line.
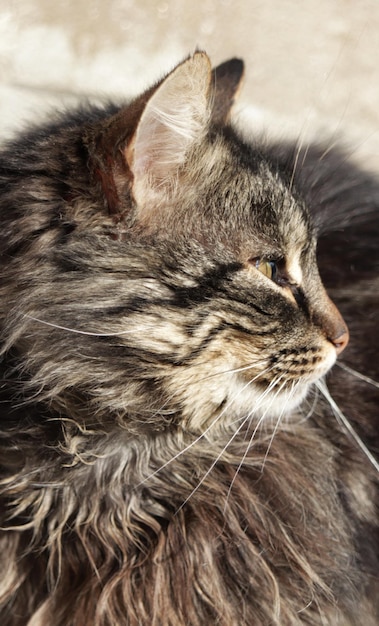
x=85, y=332
x=214, y=463
x=342, y=419
x=206, y=431
x=313, y=405
x=237, y=369
x=248, y=447
x=294, y=385
x=220, y=373
x=367, y=379
x=243, y=422
x=298, y=150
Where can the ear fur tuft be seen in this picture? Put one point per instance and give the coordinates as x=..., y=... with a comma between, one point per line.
x=174, y=119
x=140, y=149
x=227, y=80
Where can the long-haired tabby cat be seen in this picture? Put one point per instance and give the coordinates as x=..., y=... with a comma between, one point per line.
x=168, y=457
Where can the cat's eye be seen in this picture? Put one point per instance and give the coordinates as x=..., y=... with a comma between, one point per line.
x=267, y=268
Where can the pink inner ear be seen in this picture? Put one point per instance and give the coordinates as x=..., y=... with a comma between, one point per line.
x=174, y=119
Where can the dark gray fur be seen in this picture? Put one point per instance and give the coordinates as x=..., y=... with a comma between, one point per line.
x=129, y=492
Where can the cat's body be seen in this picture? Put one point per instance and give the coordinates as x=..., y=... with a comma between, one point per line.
x=162, y=321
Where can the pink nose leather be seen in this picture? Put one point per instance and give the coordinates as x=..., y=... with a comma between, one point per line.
x=333, y=324
x=341, y=341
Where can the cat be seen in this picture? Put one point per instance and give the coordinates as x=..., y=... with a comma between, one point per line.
x=170, y=453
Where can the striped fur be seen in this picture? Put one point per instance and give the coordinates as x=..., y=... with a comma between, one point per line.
x=157, y=468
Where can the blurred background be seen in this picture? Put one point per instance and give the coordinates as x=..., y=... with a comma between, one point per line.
x=312, y=66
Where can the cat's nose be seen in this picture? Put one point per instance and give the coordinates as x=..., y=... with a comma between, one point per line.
x=340, y=342
x=334, y=325
x=328, y=317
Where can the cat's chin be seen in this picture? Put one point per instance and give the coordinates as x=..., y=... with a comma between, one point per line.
x=286, y=403
x=253, y=403
x=280, y=400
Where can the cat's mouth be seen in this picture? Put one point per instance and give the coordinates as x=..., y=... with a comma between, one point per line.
x=307, y=364
x=283, y=385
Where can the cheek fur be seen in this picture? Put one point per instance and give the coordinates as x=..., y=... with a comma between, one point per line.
x=238, y=373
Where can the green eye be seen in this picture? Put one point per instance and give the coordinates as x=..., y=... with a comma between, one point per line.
x=267, y=268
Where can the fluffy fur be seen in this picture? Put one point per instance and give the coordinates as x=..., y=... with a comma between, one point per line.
x=166, y=460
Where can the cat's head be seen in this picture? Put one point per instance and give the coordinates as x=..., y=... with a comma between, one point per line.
x=168, y=270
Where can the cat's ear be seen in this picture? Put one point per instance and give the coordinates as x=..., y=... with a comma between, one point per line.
x=174, y=118
x=227, y=79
